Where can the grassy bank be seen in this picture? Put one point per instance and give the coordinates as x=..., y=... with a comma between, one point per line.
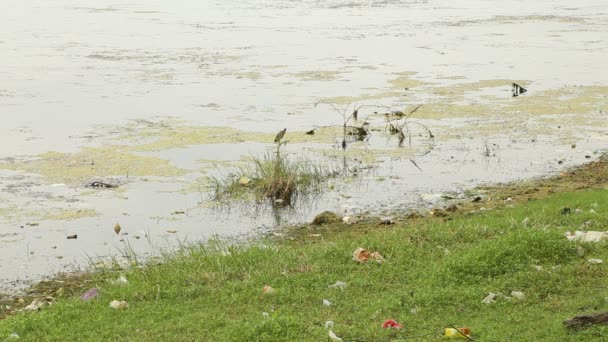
x=436, y=272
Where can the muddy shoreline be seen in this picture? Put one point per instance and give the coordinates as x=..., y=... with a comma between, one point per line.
x=592, y=175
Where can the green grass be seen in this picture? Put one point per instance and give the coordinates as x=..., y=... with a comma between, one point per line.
x=273, y=176
x=439, y=270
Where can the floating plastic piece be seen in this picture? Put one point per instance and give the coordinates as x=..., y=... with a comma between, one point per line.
x=117, y=228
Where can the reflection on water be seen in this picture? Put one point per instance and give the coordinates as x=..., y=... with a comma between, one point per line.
x=76, y=76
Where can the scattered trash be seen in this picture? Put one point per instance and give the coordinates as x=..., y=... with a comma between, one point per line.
x=362, y=255
x=120, y=281
x=338, y=285
x=588, y=236
x=90, y=294
x=119, y=305
x=595, y=261
x=268, y=289
x=517, y=90
x=518, y=295
x=538, y=268
x=457, y=332
x=387, y=220
x=13, y=336
x=172, y=231
x=32, y=224
x=391, y=324
x=326, y=302
x=378, y=257
x=586, y=320
x=265, y=314
x=578, y=211
x=36, y=304
x=348, y=220
x=72, y=237
x=490, y=298
x=525, y=222
x=329, y=324
x=333, y=337
x=244, y=181
x=117, y=229
x=97, y=184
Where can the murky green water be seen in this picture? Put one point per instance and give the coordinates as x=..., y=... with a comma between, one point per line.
x=157, y=97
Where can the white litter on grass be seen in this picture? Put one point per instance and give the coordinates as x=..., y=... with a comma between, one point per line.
x=490, y=298
x=13, y=336
x=329, y=324
x=589, y=236
x=338, y=285
x=265, y=314
x=118, y=305
x=120, y=281
x=333, y=337
x=326, y=302
x=518, y=295
x=595, y=261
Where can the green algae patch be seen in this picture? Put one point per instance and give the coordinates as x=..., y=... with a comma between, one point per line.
x=363, y=97
x=72, y=168
x=405, y=81
x=69, y=214
x=166, y=136
x=318, y=75
x=395, y=88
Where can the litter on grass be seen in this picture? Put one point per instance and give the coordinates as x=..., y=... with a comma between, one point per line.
x=464, y=333
x=490, y=298
x=334, y=337
x=391, y=324
x=588, y=236
x=518, y=295
x=90, y=294
x=267, y=289
x=338, y=285
x=362, y=255
x=326, y=302
x=119, y=305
